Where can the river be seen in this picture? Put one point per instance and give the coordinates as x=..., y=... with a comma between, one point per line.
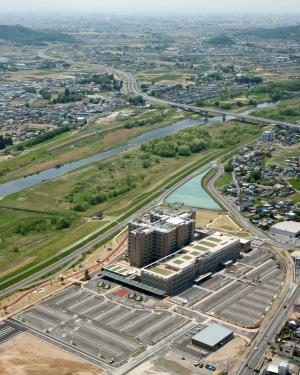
x=23, y=183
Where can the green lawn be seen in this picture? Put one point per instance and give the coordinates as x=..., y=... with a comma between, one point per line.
x=225, y=179
x=18, y=249
x=208, y=244
x=295, y=182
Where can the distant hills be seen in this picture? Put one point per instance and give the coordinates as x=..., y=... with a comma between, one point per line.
x=288, y=32
x=24, y=35
x=221, y=40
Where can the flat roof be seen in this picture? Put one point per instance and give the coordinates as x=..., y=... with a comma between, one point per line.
x=132, y=283
x=213, y=334
x=273, y=368
x=290, y=226
x=185, y=257
x=120, y=269
x=161, y=270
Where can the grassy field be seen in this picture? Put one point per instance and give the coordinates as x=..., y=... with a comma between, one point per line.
x=125, y=180
x=282, y=153
x=287, y=111
x=225, y=179
x=218, y=221
x=18, y=249
x=76, y=145
x=295, y=182
x=157, y=75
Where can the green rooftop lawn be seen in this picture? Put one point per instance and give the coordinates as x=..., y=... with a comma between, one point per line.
x=116, y=269
x=161, y=271
x=187, y=257
x=207, y=243
x=214, y=239
x=122, y=270
x=201, y=248
x=178, y=261
x=196, y=253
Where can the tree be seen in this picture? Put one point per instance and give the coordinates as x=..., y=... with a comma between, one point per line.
x=86, y=275
x=228, y=167
x=136, y=100
x=45, y=94
x=5, y=141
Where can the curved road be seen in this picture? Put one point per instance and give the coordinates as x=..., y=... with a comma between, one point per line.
x=268, y=332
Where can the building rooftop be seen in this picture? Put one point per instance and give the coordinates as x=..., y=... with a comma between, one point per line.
x=120, y=269
x=296, y=254
x=212, y=334
x=290, y=226
x=166, y=220
x=273, y=368
x=187, y=256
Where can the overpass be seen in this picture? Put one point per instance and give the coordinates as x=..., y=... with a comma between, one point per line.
x=205, y=111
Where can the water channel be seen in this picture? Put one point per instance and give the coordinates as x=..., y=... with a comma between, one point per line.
x=192, y=194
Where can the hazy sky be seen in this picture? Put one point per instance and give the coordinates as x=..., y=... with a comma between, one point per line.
x=155, y=6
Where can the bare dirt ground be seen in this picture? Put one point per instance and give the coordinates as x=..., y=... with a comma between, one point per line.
x=227, y=353
x=114, y=117
x=218, y=221
x=27, y=355
x=169, y=364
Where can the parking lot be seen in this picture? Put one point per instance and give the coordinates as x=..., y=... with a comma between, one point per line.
x=106, y=330
x=256, y=257
x=216, y=282
x=193, y=294
x=245, y=301
x=8, y=331
x=184, y=347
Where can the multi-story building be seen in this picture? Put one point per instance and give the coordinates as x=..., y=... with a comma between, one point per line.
x=160, y=233
x=179, y=270
x=268, y=136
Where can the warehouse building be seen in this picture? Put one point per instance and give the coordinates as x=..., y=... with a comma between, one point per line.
x=286, y=228
x=158, y=234
x=212, y=337
x=179, y=270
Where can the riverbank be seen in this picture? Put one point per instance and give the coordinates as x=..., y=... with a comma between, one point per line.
x=72, y=193
x=77, y=145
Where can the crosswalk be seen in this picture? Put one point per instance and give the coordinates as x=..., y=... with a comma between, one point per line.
x=8, y=332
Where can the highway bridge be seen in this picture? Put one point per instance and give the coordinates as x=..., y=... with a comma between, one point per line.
x=205, y=111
